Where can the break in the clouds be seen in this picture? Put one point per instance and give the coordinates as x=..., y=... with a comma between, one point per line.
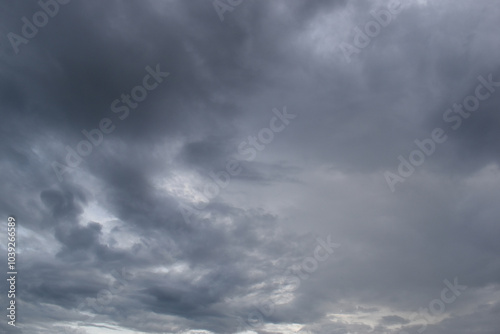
x=251, y=166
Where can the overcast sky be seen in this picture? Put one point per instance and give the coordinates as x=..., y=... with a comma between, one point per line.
x=285, y=166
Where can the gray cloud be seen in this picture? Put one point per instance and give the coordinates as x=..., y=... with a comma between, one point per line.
x=108, y=249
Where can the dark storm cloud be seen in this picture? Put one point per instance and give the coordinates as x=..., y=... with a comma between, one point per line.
x=107, y=248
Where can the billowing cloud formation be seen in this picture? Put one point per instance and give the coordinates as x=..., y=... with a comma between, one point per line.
x=252, y=166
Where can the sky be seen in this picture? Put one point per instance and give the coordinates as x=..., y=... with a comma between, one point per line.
x=251, y=166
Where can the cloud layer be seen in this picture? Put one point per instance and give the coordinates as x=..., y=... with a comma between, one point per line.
x=189, y=202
